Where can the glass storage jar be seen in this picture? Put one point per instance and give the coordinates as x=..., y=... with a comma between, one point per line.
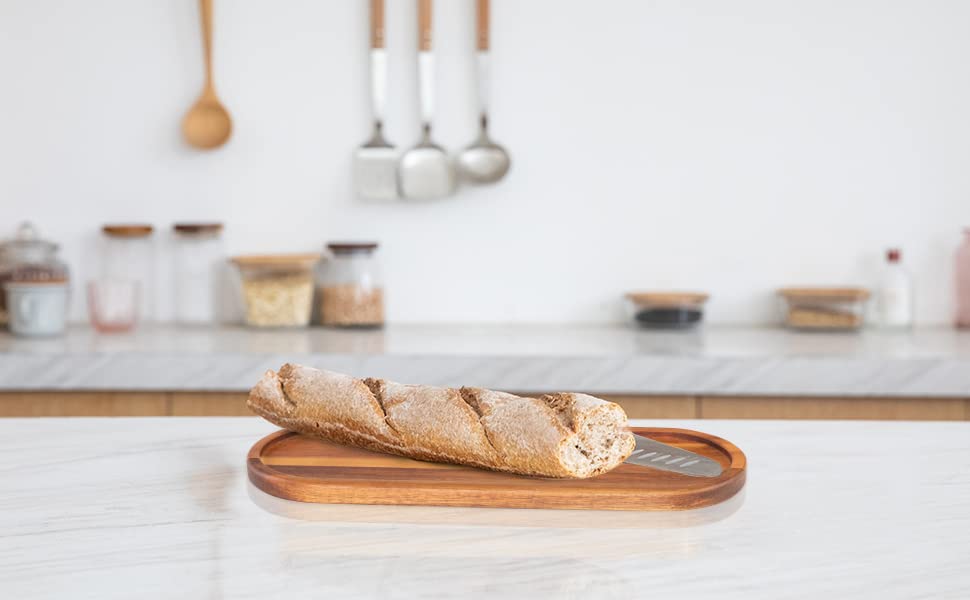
x=198, y=262
x=128, y=267
x=350, y=290
x=824, y=308
x=667, y=310
x=29, y=268
x=277, y=289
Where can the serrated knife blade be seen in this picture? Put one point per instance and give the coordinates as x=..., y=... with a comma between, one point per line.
x=653, y=454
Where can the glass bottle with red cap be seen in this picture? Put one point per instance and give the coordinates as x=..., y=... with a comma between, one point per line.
x=894, y=293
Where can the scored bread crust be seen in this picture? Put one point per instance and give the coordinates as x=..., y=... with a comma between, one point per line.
x=554, y=435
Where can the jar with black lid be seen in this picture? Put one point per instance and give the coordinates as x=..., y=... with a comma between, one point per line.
x=350, y=290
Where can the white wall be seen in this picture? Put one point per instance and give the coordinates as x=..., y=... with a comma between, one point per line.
x=727, y=146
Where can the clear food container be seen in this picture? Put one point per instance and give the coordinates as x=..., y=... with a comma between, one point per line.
x=277, y=289
x=350, y=290
x=28, y=259
x=128, y=261
x=667, y=310
x=199, y=261
x=832, y=309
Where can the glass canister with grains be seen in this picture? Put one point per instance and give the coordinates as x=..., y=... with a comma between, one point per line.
x=349, y=289
x=277, y=289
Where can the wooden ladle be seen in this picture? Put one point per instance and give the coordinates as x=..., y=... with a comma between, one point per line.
x=207, y=125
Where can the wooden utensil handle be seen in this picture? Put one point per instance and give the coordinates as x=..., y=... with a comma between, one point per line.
x=482, y=24
x=376, y=23
x=424, y=25
x=205, y=7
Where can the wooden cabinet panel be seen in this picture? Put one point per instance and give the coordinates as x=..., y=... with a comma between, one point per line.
x=83, y=404
x=655, y=407
x=209, y=404
x=901, y=409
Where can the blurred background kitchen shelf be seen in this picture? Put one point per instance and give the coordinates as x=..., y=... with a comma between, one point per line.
x=669, y=153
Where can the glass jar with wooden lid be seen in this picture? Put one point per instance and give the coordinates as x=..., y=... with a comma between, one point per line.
x=127, y=269
x=199, y=262
x=277, y=289
x=667, y=310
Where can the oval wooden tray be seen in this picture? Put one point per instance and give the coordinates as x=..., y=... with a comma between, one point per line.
x=294, y=467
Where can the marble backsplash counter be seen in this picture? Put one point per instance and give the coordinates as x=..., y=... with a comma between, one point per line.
x=714, y=360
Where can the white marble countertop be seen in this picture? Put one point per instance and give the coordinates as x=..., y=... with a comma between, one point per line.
x=617, y=359
x=161, y=508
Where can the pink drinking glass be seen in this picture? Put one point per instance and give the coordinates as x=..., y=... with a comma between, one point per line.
x=113, y=305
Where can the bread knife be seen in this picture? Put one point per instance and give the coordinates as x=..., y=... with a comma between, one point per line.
x=655, y=455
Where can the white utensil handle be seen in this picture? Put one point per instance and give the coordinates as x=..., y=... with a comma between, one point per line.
x=484, y=80
x=426, y=79
x=378, y=82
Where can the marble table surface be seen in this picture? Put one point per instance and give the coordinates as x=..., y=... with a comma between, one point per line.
x=617, y=359
x=162, y=508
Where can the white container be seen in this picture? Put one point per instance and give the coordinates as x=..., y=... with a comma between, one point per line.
x=37, y=309
x=894, y=294
x=128, y=255
x=199, y=259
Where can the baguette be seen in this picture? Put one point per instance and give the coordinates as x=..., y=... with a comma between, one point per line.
x=554, y=435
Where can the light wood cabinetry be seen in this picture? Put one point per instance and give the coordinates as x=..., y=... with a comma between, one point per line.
x=656, y=407
x=892, y=409
x=209, y=404
x=84, y=404
x=218, y=404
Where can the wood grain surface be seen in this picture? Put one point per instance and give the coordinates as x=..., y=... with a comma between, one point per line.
x=294, y=467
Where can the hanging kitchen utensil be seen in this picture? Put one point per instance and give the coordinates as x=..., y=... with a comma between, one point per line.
x=425, y=171
x=207, y=125
x=375, y=164
x=483, y=161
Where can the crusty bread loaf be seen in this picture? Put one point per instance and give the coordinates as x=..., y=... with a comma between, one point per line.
x=555, y=435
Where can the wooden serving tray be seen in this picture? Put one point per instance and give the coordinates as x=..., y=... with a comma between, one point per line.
x=294, y=467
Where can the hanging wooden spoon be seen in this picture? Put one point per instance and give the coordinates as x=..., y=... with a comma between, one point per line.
x=207, y=125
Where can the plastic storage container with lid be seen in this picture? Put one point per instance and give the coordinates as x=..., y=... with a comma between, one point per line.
x=824, y=308
x=350, y=289
x=33, y=285
x=277, y=289
x=667, y=310
x=199, y=260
